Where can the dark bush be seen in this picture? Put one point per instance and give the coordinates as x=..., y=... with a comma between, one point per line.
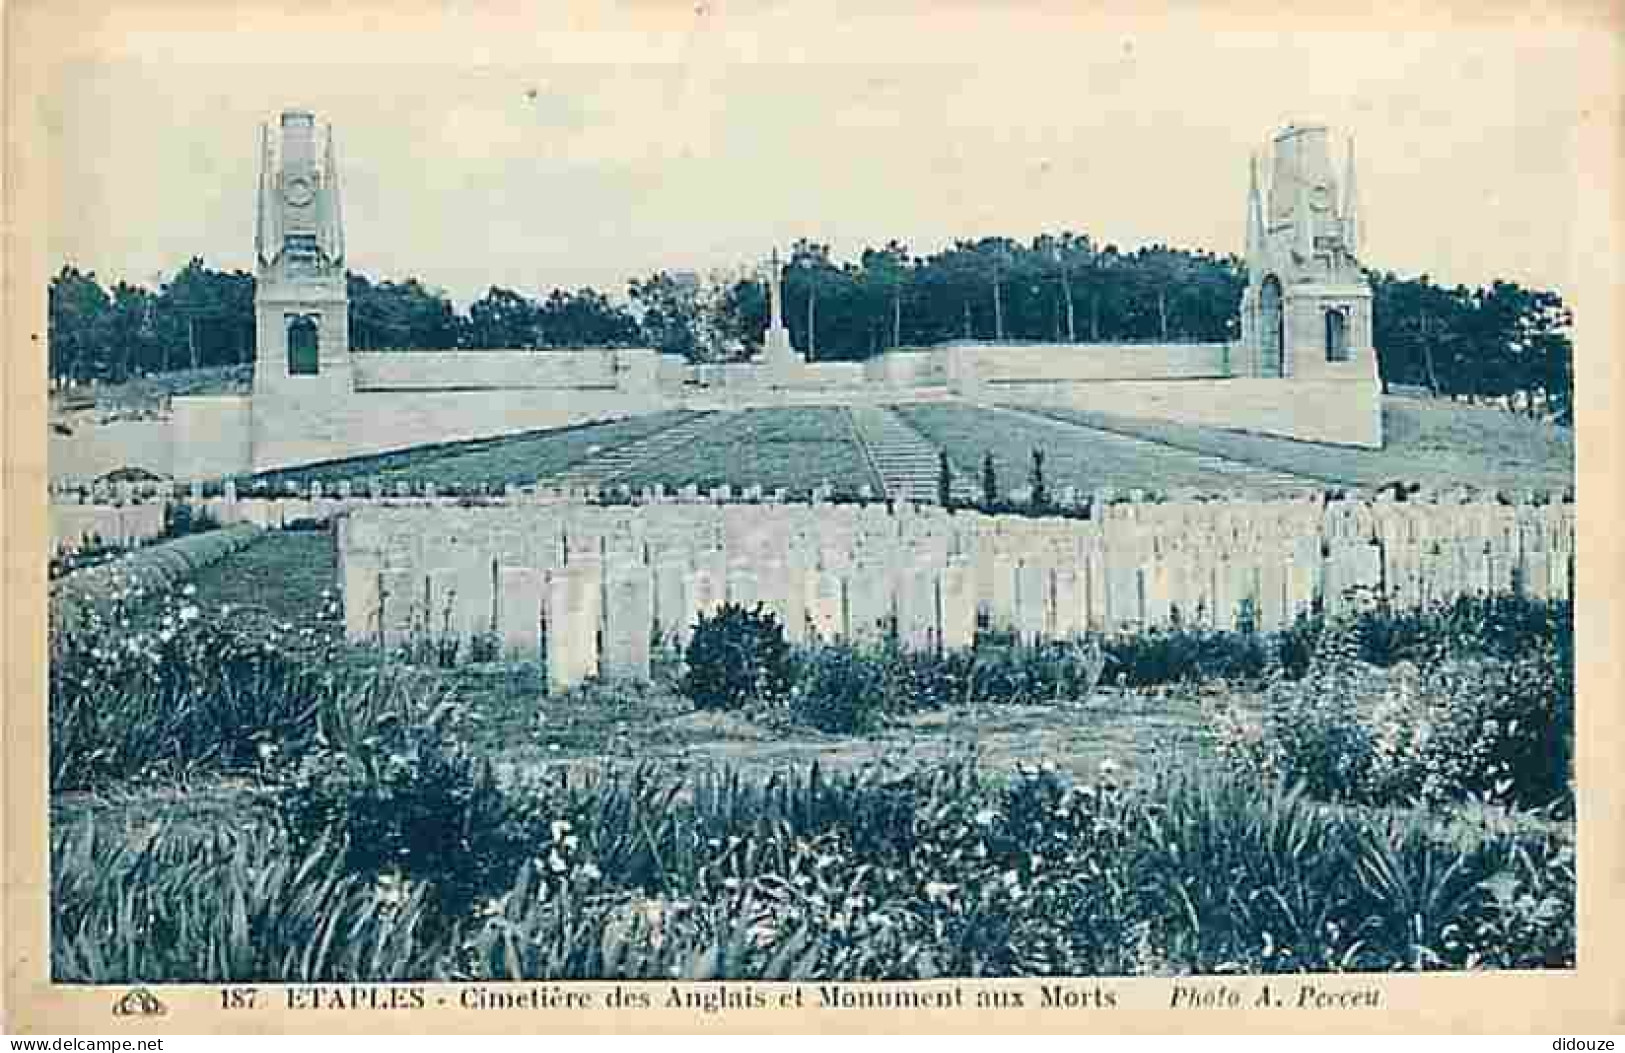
x=736, y=656
x=848, y=688
x=307, y=524
x=1010, y=672
x=1503, y=625
x=1176, y=654
x=841, y=689
x=181, y=519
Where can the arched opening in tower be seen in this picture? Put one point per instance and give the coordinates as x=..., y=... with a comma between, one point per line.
x=1337, y=336
x=1271, y=326
x=303, y=346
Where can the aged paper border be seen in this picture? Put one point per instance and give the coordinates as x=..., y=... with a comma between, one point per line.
x=40, y=35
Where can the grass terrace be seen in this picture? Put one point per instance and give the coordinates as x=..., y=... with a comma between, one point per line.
x=1072, y=456
x=1438, y=444
x=795, y=448
x=496, y=462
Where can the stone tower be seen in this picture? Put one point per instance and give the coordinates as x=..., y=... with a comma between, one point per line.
x=302, y=368
x=1306, y=311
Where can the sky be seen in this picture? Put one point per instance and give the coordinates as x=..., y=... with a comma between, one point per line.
x=545, y=156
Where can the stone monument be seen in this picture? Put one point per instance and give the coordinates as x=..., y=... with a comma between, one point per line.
x=777, y=352
x=302, y=364
x=1306, y=311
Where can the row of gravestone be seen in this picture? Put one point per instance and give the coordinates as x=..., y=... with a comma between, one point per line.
x=590, y=589
x=1065, y=499
x=126, y=526
x=839, y=535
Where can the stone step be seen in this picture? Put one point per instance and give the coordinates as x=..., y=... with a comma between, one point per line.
x=906, y=461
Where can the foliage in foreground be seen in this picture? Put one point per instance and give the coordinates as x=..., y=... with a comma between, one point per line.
x=1479, y=705
x=152, y=686
x=393, y=852
x=879, y=874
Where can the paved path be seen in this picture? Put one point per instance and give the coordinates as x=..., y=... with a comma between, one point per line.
x=906, y=460
x=609, y=465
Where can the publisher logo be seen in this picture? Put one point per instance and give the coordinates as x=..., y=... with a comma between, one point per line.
x=139, y=1002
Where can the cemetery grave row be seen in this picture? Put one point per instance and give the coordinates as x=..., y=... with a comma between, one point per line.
x=590, y=588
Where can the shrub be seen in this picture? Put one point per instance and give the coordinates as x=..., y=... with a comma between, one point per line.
x=1046, y=671
x=736, y=656
x=181, y=519
x=180, y=902
x=1314, y=732
x=1035, y=481
x=840, y=689
x=1487, y=713
x=1501, y=625
x=850, y=688
x=1183, y=654
x=1495, y=731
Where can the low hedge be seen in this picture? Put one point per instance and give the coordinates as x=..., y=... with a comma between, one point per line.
x=156, y=568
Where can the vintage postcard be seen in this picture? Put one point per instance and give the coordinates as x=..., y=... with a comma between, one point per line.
x=788, y=517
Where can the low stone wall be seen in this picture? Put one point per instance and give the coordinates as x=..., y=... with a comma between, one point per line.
x=95, y=448
x=211, y=435
x=156, y=569
x=466, y=370
x=403, y=399
x=908, y=367
x=590, y=586
x=996, y=363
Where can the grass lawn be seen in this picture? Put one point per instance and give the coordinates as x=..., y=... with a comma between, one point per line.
x=496, y=462
x=794, y=448
x=1438, y=444
x=1139, y=731
x=1072, y=456
x=279, y=578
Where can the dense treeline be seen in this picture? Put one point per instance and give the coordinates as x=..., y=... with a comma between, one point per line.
x=1488, y=342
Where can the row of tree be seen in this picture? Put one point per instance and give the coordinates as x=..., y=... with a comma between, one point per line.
x=1490, y=342
x=1493, y=341
x=1058, y=288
